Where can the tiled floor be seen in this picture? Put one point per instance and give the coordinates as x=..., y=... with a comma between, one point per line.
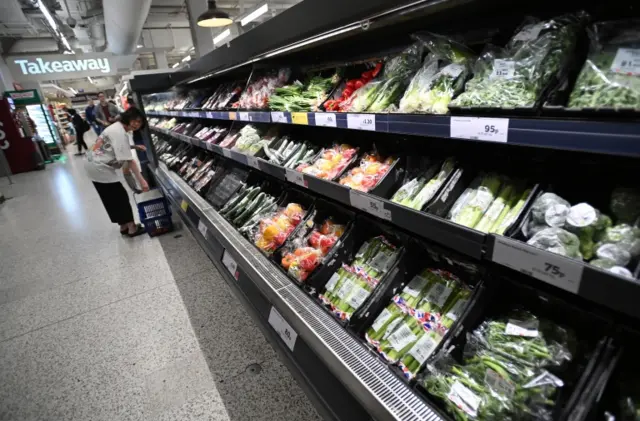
x=94, y=326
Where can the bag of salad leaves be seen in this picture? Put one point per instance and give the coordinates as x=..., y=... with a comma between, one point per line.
x=441, y=77
x=610, y=78
x=518, y=75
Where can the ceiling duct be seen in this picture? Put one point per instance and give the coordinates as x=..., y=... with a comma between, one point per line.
x=123, y=20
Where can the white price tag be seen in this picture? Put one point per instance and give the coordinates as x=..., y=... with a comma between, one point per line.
x=226, y=152
x=369, y=204
x=480, y=128
x=556, y=270
x=202, y=228
x=278, y=117
x=210, y=114
x=326, y=120
x=252, y=161
x=627, y=61
x=280, y=325
x=295, y=177
x=503, y=69
x=244, y=116
x=361, y=121
x=230, y=263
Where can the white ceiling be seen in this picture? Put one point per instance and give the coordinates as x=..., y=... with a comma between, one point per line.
x=166, y=29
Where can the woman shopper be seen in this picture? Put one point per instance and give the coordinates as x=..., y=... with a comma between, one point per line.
x=81, y=127
x=111, y=152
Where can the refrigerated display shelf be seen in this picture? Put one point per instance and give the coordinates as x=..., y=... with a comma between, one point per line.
x=596, y=285
x=311, y=339
x=613, y=138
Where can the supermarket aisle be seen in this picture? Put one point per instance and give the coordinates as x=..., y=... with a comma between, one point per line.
x=94, y=326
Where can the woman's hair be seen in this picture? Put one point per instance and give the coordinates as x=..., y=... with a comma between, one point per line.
x=132, y=113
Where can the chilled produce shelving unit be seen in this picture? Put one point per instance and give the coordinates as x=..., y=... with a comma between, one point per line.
x=346, y=379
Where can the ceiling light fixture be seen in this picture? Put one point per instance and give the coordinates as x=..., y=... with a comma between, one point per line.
x=214, y=17
x=222, y=36
x=187, y=58
x=255, y=14
x=74, y=91
x=175, y=65
x=47, y=15
x=139, y=46
x=91, y=80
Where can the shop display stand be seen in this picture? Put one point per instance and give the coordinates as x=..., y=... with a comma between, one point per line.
x=344, y=378
x=307, y=337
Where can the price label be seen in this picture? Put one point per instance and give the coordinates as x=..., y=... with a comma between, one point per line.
x=284, y=330
x=361, y=121
x=252, y=161
x=326, y=120
x=202, y=228
x=503, y=69
x=230, y=263
x=556, y=270
x=479, y=128
x=226, y=152
x=295, y=177
x=627, y=61
x=232, y=115
x=369, y=204
x=278, y=117
x=210, y=114
x=184, y=205
x=300, y=118
x=244, y=116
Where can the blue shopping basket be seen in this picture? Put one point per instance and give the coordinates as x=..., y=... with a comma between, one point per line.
x=154, y=211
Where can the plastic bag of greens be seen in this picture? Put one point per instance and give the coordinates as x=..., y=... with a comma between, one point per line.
x=557, y=240
x=441, y=77
x=624, y=235
x=518, y=75
x=610, y=78
x=550, y=209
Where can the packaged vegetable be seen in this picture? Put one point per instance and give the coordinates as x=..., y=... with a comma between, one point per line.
x=368, y=174
x=303, y=254
x=330, y=162
x=273, y=230
x=477, y=201
x=510, y=213
x=300, y=97
x=586, y=222
x=625, y=205
x=505, y=373
x=256, y=95
x=418, y=191
x=517, y=75
x=491, y=216
x=550, y=209
x=610, y=77
x=352, y=284
x=557, y=240
x=441, y=77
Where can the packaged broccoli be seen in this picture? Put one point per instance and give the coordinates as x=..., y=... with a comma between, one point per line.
x=610, y=78
x=586, y=222
x=623, y=235
x=550, y=209
x=625, y=204
x=518, y=75
x=557, y=240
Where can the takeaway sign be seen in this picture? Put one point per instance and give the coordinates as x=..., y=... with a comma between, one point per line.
x=67, y=66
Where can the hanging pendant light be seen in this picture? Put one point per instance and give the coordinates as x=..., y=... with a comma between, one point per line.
x=214, y=17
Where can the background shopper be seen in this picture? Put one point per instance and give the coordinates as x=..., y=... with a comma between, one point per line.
x=106, y=113
x=81, y=127
x=90, y=115
x=111, y=152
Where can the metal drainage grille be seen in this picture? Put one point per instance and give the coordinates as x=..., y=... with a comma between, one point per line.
x=388, y=389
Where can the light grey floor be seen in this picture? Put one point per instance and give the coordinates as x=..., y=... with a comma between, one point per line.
x=94, y=326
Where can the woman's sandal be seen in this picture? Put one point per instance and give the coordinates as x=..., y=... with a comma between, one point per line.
x=139, y=231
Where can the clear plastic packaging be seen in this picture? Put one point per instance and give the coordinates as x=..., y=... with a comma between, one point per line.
x=273, y=230
x=557, y=240
x=517, y=75
x=610, y=77
x=330, y=162
x=368, y=174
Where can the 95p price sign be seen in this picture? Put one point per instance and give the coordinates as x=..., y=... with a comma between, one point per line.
x=479, y=128
x=551, y=268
